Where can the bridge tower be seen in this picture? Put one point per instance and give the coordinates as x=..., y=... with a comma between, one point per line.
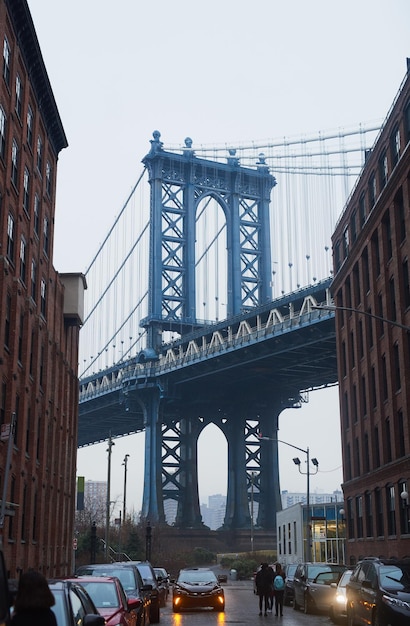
x=179, y=183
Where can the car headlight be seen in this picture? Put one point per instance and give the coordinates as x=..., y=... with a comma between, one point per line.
x=341, y=599
x=396, y=602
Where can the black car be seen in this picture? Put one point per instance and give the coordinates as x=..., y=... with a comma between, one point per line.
x=289, y=592
x=131, y=581
x=378, y=593
x=73, y=605
x=312, y=585
x=197, y=587
x=162, y=577
x=158, y=598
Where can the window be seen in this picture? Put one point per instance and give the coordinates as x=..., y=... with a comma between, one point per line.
x=406, y=283
x=385, y=389
x=3, y=402
x=30, y=123
x=387, y=434
x=23, y=261
x=353, y=233
x=2, y=133
x=400, y=214
x=43, y=295
x=362, y=210
x=14, y=162
x=391, y=510
x=373, y=387
x=19, y=95
x=10, y=238
x=48, y=178
x=376, y=253
x=39, y=154
x=387, y=235
x=383, y=171
x=26, y=190
x=395, y=145
x=376, y=447
x=345, y=242
x=36, y=214
x=392, y=301
x=359, y=516
x=357, y=471
x=6, y=61
x=33, y=279
x=46, y=240
x=372, y=191
x=366, y=453
x=401, y=443
x=363, y=394
x=369, y=513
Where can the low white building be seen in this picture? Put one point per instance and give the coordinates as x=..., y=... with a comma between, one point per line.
x=328, y=533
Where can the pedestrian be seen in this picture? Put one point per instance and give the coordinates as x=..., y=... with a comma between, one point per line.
x=279, y=588
x=264, y=581
x=33, y=602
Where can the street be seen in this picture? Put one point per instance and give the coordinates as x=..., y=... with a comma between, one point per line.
x=241, y=607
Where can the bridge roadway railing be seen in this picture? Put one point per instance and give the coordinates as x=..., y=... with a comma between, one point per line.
x=210, y=342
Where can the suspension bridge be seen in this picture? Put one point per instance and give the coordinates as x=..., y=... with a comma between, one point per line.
x=201, y=308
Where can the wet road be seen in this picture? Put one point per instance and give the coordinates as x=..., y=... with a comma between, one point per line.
x=241, y=607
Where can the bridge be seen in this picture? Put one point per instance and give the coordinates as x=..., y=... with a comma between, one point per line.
x=207, y=243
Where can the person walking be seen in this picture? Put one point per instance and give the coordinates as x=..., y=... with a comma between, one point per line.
x=33, y=602
x=264, y=581
x=279, y=589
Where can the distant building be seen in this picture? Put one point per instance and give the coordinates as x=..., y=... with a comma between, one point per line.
x=41, y=313
x=328, y=533
x=213, y=514
x=315, y=497
x=371, y=255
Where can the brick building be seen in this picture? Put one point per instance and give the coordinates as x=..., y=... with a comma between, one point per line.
x=371, y=248
x=40, y=314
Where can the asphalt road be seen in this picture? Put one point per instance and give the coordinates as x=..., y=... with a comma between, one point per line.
x=241, y=607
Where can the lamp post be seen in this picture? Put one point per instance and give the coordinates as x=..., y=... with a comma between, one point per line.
x=125, y=487
x=315, y=462
x=406, y=519
x=333, y=307
x=107, y=511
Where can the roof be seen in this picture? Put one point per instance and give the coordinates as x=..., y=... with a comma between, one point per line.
x=30, y=49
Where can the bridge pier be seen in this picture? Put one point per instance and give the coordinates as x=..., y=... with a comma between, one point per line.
x=237, y=513
x=152, y=501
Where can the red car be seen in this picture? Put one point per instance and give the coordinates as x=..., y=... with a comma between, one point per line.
x=110, y=599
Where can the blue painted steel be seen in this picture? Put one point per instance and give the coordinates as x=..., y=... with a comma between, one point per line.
x=239, y=374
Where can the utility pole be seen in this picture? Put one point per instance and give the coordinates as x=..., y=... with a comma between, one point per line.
x=107, y=512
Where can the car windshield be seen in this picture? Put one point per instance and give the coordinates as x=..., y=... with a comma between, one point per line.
x=145, y=572
x=104, y=595
x=314, y=570
x=197, y=577
x=395, y=577
x=125, y=575
x=291, y=569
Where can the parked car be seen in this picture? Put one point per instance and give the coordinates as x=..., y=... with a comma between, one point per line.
x=162, y=577
x=157, y=595
x=289, y=592
x=73, y=604
x=378, y=593
x=312, y=585
x=197, y=587
x=131, y=581
x=337, y=610
x=110, y=599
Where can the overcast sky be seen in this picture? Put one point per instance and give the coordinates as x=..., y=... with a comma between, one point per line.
x=221, y=70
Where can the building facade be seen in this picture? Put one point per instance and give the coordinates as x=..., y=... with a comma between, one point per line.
x=40, y=315
x=371, y=248
x=328, y=533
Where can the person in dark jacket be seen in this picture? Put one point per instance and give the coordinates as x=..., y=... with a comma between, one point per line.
x=33, y=601
x=264, y=582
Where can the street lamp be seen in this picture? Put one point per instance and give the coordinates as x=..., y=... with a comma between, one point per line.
x=107, y=512
x=315, y=462
x=333, y=307
x=124, y=463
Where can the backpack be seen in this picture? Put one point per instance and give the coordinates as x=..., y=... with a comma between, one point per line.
x=278, y=583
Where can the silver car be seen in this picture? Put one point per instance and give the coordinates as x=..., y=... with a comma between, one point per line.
x=337, y=609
